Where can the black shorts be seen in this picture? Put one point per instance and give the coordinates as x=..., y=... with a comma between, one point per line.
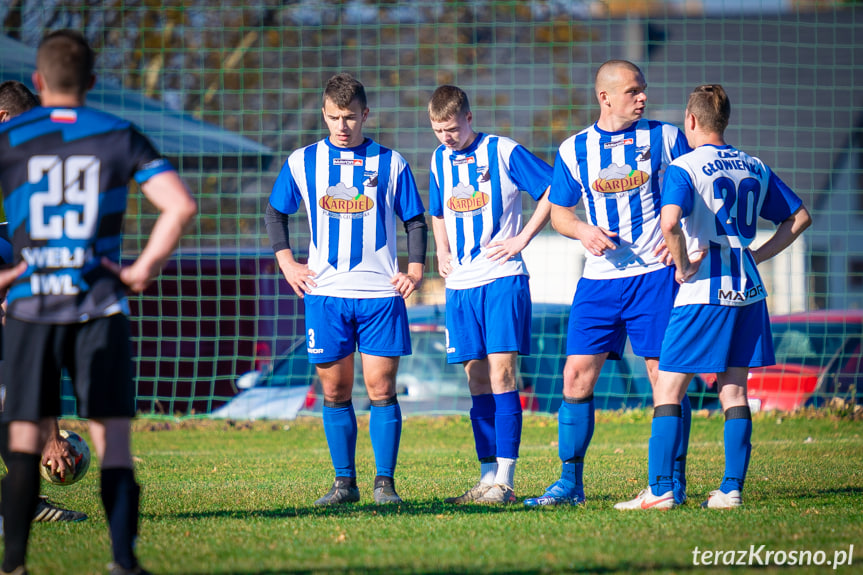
x=96, y=355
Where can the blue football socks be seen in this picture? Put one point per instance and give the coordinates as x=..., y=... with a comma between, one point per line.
x=340, y=428
x=666, y=432
x=385, y=429
x=482, y=420
x=575, y=420
x=507, y=423
x=680, y=456
x=738, y=446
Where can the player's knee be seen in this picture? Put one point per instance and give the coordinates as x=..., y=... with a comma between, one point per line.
x=381, y=388
x=479, y=386
x=732, y=396
x=578, y=382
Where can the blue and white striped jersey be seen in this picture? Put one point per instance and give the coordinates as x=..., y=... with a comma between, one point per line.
x=65, y=173
x=352, y=196
x=617, y=175
x=722, y=192
x=478, y=193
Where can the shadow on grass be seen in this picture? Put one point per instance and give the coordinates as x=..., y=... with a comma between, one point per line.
x=439, y=508
x=808, y=493
x=624, y=567
x=407, y=508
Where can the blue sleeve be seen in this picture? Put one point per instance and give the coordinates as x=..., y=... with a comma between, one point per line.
x=435, y=193
x=678, y=189
x=408, y=203
x=779, y=201
x=147, y=161
x=565, y=190
x=285, y=196
x=529, y=173
x=680, y=146
x=151, y=169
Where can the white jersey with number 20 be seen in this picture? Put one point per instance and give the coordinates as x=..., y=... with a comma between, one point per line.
x=722, y=192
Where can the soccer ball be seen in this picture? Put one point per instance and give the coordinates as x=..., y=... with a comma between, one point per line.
x=81, y=459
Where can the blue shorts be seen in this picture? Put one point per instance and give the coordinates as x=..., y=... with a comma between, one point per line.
x=605, y=311
x=336, y=326
x=492, y=318
x=712, y=338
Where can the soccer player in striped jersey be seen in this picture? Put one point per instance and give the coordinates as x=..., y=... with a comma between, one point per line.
x=15, y=99
x=613, y=167
x=64, y=174
x=711, y=203
x=353, y=188
x=475, y=199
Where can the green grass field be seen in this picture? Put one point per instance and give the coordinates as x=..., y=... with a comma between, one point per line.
x=236, y=498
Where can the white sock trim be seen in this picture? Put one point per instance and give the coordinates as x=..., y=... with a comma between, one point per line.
x=505, y=472
x=487, y=472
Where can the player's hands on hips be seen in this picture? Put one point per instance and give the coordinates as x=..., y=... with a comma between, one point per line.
x=299, y=276
x=407, y=283
x=505, y=250
x=59, y=455
x=662, y=252
x=597, y=239
x=9, y=275
x=136, y=277
x=444, y=264
x=683, y=275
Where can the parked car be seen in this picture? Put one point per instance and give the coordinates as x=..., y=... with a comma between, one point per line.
x=818, y=357
x=426, y=383
x=210, y=315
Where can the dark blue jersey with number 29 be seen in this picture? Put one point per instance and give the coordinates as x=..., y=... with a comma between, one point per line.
x=64, y=174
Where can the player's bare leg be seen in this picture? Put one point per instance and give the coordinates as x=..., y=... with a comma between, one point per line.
x=340, y=428
x=385, y=423
x=112, y=439
x=337, y=379
x=737, y=436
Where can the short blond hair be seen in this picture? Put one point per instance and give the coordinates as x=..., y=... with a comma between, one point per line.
x=448, y=102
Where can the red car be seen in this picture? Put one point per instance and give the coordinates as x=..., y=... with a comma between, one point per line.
x=818, y=357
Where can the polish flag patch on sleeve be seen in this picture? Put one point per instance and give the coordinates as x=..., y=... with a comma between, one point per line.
x=64, y=116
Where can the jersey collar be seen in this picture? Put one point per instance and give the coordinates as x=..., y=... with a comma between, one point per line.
x=366, y=143
x=473, y=146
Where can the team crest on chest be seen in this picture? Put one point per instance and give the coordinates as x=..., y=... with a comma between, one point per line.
x=615, y=179
x=465, y=200
x=643, y=154
x=371, y=180
x=342, y=201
